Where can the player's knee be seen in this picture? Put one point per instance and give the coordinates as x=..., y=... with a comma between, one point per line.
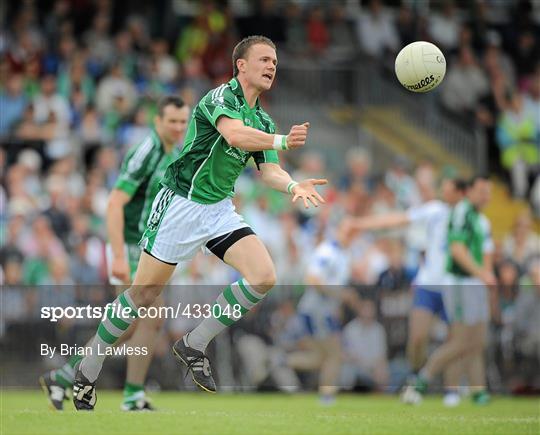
x=263, y=280
x=417, y=341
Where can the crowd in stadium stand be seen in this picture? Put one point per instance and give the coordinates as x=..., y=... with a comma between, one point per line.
x=78, y=87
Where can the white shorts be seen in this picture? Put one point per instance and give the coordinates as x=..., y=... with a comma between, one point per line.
x=466, y=300
x=177, y=227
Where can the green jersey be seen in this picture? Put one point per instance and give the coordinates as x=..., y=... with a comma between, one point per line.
x=208, y=166
x=472, y=228
x=140, y=174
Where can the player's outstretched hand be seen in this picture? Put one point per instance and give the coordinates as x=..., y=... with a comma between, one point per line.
x=297, y=136
x=306, y=190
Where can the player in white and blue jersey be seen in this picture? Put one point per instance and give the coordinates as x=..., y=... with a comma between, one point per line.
x=427, y=285
x=327, y=275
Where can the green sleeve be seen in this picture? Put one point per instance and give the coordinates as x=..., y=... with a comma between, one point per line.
x=136, y=168
x=266, y=156
x=220, y=102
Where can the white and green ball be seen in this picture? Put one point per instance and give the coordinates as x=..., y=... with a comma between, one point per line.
x=420, y=66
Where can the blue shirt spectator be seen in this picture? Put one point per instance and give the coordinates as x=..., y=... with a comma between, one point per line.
x=12, y=104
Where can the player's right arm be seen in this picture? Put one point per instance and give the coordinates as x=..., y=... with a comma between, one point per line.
x=381, y=222
x=250, y=139
x=219, y=107
x=115, y=229
x=421, y=213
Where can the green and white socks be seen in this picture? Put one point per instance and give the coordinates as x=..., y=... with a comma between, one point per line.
x=65, y=375
x=132, y=394
x=230, y=306
x=120, y=315
x=235, y=301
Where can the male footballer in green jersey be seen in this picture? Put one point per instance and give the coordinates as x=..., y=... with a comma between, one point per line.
x=194, y=210
x=127, y=212
x=466, y=294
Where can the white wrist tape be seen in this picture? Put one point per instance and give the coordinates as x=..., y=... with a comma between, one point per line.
x=280, y=142
x=291, y=185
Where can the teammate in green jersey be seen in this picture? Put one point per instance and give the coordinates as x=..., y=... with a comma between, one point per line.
x=466, y=294
x=194, y=211
x=127, y=212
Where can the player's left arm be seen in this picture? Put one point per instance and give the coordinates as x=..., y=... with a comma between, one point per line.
x=277, y=178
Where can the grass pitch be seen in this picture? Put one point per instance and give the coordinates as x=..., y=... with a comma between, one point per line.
x=26, y=412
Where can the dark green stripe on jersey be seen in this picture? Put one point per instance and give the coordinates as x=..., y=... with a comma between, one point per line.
x=208, y=166
x=140, y=174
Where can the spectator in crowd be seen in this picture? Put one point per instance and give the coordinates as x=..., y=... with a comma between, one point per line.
x=32, y=74
x=317, y=31
x=403, y=186
x=444, y=27
x=527, y=325
x=18, y=303
x=48, y=103
x=125, y=55
x=522, y=243
x=532, y=107
x=357, y=172
x=342, y=40
x=30, y=162
x=464, y=85
x=396, y=278
x=295, y=30
x=100, y=45
x=116, y=92
x=11, y=260
x=501, y=76
x=519, y=140
x=56, y=21
x=365, y=351
x=503, y=315
x=39, y=246
x=528, y=48
x=12, y=104
x=59, y=220
x=167, y=68
x=135, y=130
x=76, y=78
x=25, y=49
x=81, y=270
x=406, y=25
x=90, y=133
x=137, y=29
x=507, y=274
x=193, y=39
x=377, y=35
x=261, y=348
